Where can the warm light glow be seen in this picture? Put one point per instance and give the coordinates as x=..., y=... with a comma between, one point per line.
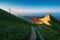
x=37, y=21
x=44, y=20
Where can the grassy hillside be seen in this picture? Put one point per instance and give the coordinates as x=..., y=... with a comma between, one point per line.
x=50, y=32
x=13, y=28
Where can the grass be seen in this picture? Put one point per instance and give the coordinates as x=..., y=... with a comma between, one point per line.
x=50, y=32
x=12, y=27
x=37, y=34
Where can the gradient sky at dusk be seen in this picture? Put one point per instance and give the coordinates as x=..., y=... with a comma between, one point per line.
x=30, y=6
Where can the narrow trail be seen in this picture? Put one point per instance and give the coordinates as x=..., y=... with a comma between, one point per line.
x=33, y=34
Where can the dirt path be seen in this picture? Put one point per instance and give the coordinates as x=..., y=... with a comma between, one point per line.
x=33, y=34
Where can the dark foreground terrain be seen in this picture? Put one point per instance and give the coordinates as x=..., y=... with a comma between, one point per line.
x=14, y=28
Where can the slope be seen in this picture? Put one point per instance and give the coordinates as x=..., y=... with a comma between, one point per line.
x=12, y=27
x=50, y=32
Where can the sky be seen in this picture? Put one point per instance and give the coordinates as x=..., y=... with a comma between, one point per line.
x=30, y=6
